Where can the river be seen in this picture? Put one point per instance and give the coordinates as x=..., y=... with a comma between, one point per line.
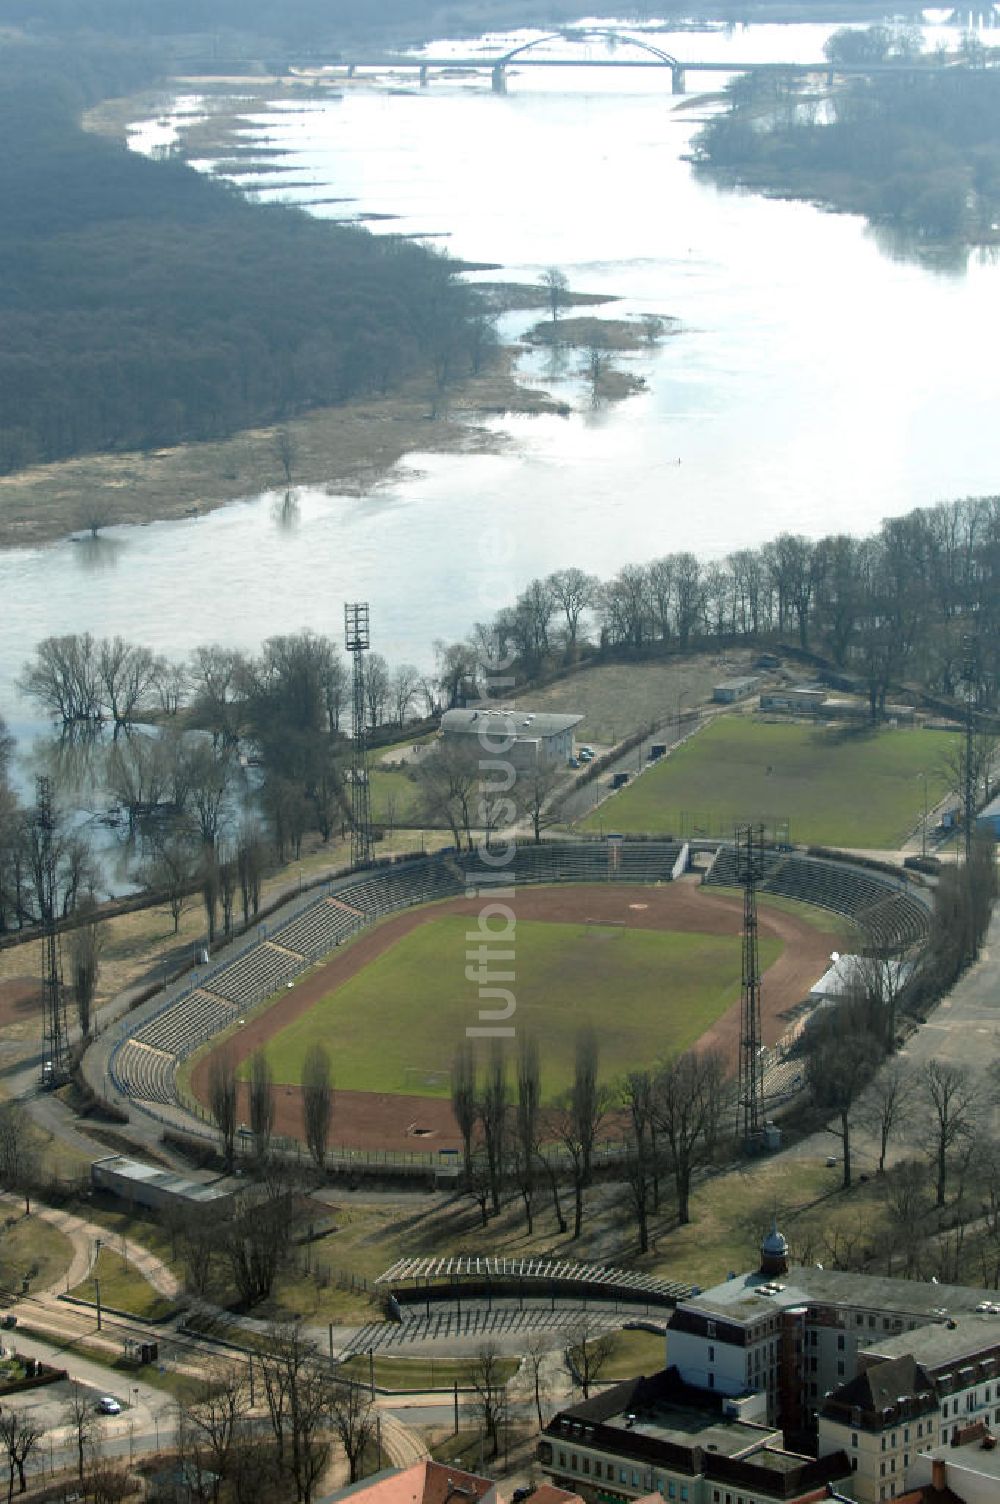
x=817, y=383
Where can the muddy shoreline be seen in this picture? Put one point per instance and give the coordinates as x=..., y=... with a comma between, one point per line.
x=344, y=450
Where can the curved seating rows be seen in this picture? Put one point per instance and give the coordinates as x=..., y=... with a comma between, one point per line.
x=894, y=916
x=221, y=995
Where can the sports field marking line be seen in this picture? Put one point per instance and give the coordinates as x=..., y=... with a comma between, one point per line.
x=345, y=908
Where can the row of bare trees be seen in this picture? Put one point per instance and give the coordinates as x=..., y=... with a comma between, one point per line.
x=663, y=1121
x=309, y=1411
x=896, y=604
x=316, y=1086
x=844, y=1045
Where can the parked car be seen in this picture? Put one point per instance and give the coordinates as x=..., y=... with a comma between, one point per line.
x=108, y=1405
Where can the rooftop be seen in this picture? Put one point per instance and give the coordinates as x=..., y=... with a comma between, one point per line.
x=164, y=1180
x=880, y=1390
x=971, y=1455
x=503, y=721
x=747, y=1296
x=942, y=1343
x=424, y=1482
x=663, y=1408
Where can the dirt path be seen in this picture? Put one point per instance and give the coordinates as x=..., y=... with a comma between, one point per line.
x=377, y=1121
x=84, y=1236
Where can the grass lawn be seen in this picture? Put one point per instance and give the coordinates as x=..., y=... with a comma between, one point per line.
x=422, y=1373
x=634, y=1353
x=123, y=1288
x=830, y=786
x=645, y=992
x=29, y=1246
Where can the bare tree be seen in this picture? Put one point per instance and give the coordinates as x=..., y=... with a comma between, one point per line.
x=258, y=1233
x=490, y=1388
x=887, y=1103
x=81, y=1423
x=298, y=1402
x=285, y=452
x=556, y=285
x=492, y=1113
x=317, y=1101
x=529, y=1093
x=587, y=1353
x=172, y=870
x=687, y=1101
x=951, y=1098
x=18, y=1158
x=639, y=1092
x=535, y=1353
x=212, y=1427
x=448, y=780
x=222, y=1101
x=464, y=1099
x=839, y=1063
x=19, y=1435
x=577, y=1118
x=261, y=1102
x=535, y=789
x=573, y=592
x=353, y=1417
x=640, y=1187
x=85, y=945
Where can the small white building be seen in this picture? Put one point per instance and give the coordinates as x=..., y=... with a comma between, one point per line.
x=527, y=738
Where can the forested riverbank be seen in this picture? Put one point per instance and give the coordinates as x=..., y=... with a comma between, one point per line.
x=915, y=149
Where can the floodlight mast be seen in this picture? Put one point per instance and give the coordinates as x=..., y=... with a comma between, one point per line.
x=55, y=1038
x=751, y=1083
x=357, y=639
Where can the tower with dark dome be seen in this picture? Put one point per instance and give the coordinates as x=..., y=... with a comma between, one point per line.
x=774, y=1251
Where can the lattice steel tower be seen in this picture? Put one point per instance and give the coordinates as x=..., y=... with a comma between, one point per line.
x=358, y=641
x=55, y=1041
x=970, y=673
x=751, y=1082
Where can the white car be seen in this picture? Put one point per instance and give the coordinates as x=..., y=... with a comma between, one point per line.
x=108, y=1405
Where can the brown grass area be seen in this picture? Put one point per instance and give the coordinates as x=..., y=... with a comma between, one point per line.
x=616, y=699
x=140, y=948
x=345, y=449
x=373, y=1120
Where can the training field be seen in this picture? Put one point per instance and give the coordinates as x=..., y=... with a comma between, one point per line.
x=645, y=992
x=830, y=786
x=393, y=1004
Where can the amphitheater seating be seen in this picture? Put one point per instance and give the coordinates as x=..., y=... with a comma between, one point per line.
x=254, y=975
x=142, y=1071
x=143, y=1064
x=187, y=1023
x=399, y=887
x=895, y=917
x=317, y=930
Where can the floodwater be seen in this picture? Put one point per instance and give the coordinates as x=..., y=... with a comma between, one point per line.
x=818, y=382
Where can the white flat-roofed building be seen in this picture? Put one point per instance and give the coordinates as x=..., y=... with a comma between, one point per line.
x=526, y=738
x=152, y=1185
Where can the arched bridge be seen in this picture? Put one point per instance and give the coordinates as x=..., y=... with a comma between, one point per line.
x=531, y=54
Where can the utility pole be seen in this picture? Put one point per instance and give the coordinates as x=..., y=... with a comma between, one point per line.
x=55, y=1042
x=749, y=868
x=970, y=664
x=357, y=639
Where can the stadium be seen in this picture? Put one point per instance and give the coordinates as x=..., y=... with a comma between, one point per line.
x=640, y=935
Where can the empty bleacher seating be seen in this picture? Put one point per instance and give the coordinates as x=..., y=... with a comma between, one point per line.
x=894, y=916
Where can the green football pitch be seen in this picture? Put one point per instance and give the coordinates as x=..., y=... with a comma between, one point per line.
x=824, y=786
x=395, y=1026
